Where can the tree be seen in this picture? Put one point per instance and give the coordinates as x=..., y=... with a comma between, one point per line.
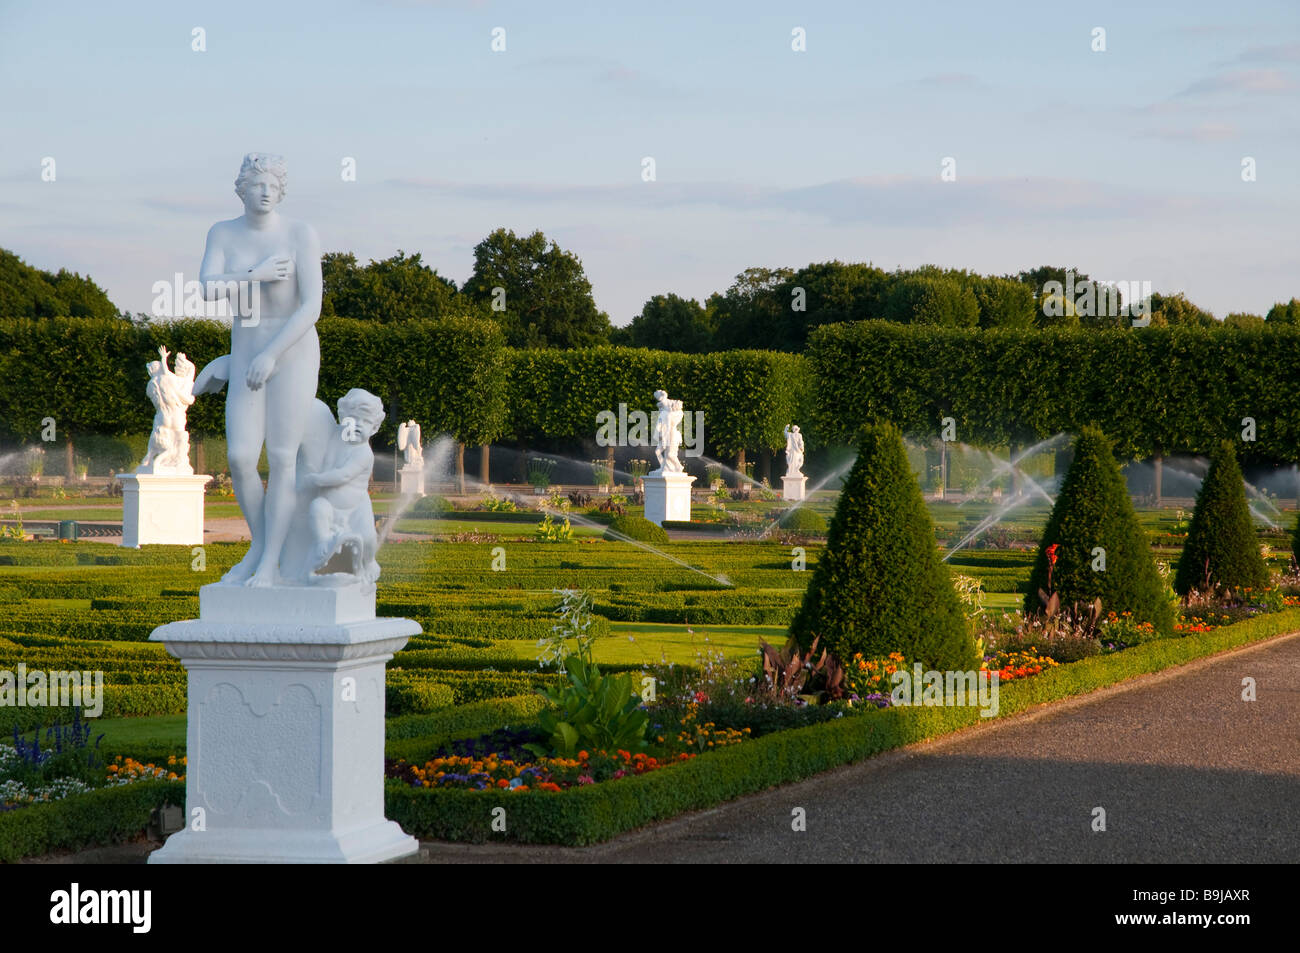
x=751, y=309
x=1288, y=313
x=400, y=288
x=1239, y=319
x=1101, y=551
x=27, y=292
x=1177, y=310
x=1004, y=303
x=932, y=299
x=671, y=323
x=1222, y=550
x=879, y=585
x=545, y=294
x=1068, y=296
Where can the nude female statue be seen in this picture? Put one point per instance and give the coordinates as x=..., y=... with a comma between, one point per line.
x=274, y=357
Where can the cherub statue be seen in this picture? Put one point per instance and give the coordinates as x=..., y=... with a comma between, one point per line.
x=342, y=520
x=408, y=441
x=171, y=394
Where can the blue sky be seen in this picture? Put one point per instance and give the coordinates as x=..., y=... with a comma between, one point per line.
x=1125, y=163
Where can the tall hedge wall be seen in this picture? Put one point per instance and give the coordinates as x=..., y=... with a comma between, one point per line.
x=1152, y=390
x=747, y=397
x=89, y=374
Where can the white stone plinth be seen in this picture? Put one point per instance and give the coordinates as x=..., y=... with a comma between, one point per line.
x=303, y=605
x=160, y=508
x=285, y=739
x=792, y=487
x=411, y=481
x=667, y=497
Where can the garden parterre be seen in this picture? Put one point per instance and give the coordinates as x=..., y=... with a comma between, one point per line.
x=93, y=606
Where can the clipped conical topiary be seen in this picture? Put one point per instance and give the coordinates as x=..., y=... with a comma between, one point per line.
x=880, y=586
x=1094, y=546
x=1221, y=550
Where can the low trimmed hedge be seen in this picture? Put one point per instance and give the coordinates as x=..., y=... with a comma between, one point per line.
x=106, y=816
x=597, y=812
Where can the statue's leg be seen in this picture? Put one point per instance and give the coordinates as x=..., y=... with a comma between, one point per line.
x=289, y=393
x=245, y=431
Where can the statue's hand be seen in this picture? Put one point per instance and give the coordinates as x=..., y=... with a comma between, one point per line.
x=275, y=268
x=258, y=371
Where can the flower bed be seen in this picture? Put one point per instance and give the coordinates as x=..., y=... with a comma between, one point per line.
x=589, y=813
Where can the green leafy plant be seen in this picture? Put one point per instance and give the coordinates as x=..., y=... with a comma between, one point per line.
x=573, y=622
x=595, y=711
x=495, y=504
x=13, y=532
x=601, y=473
x=790, y=673
x=549, y=531
x=539, y=471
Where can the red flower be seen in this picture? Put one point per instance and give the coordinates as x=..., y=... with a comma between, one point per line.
x=1051, y=553
x=701, y=698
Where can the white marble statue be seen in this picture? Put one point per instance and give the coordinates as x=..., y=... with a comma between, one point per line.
x=668, y=433
x=171, y=393
x=342, y=519
x=793, y=451
x=274, y=358
x=408, y=441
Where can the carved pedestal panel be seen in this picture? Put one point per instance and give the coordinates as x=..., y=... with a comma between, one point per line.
x=285, y=741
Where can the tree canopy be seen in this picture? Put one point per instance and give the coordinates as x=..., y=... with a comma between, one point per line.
x=544, y=298
x=27, y=292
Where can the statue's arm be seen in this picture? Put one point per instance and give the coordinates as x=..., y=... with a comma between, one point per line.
x=309, y=294
x=355, y=465
x=213, y=268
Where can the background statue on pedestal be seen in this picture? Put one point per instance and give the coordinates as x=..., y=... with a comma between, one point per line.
x=408, y=441
x=171, y=394
x=793, y=451
x=668, y=434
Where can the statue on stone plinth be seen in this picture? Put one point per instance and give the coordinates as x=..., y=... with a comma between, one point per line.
x=171, y=394
x=274, y=355
x=408, y=441
x=793, y=451
x=668, y=434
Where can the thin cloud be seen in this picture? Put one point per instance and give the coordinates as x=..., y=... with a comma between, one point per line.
x=1200, y=132
x=1241, y=81
x=880, y=201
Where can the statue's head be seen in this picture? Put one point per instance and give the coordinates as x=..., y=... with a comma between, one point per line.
x=262, y=182
x=360, y=414
x=795, y=428
x=153, y=367
x=660, y=396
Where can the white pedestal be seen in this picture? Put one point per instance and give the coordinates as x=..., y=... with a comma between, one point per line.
x=667, y=497
x=792, y=487
x=285, y=738
x=410, y=481
x=161, y=508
